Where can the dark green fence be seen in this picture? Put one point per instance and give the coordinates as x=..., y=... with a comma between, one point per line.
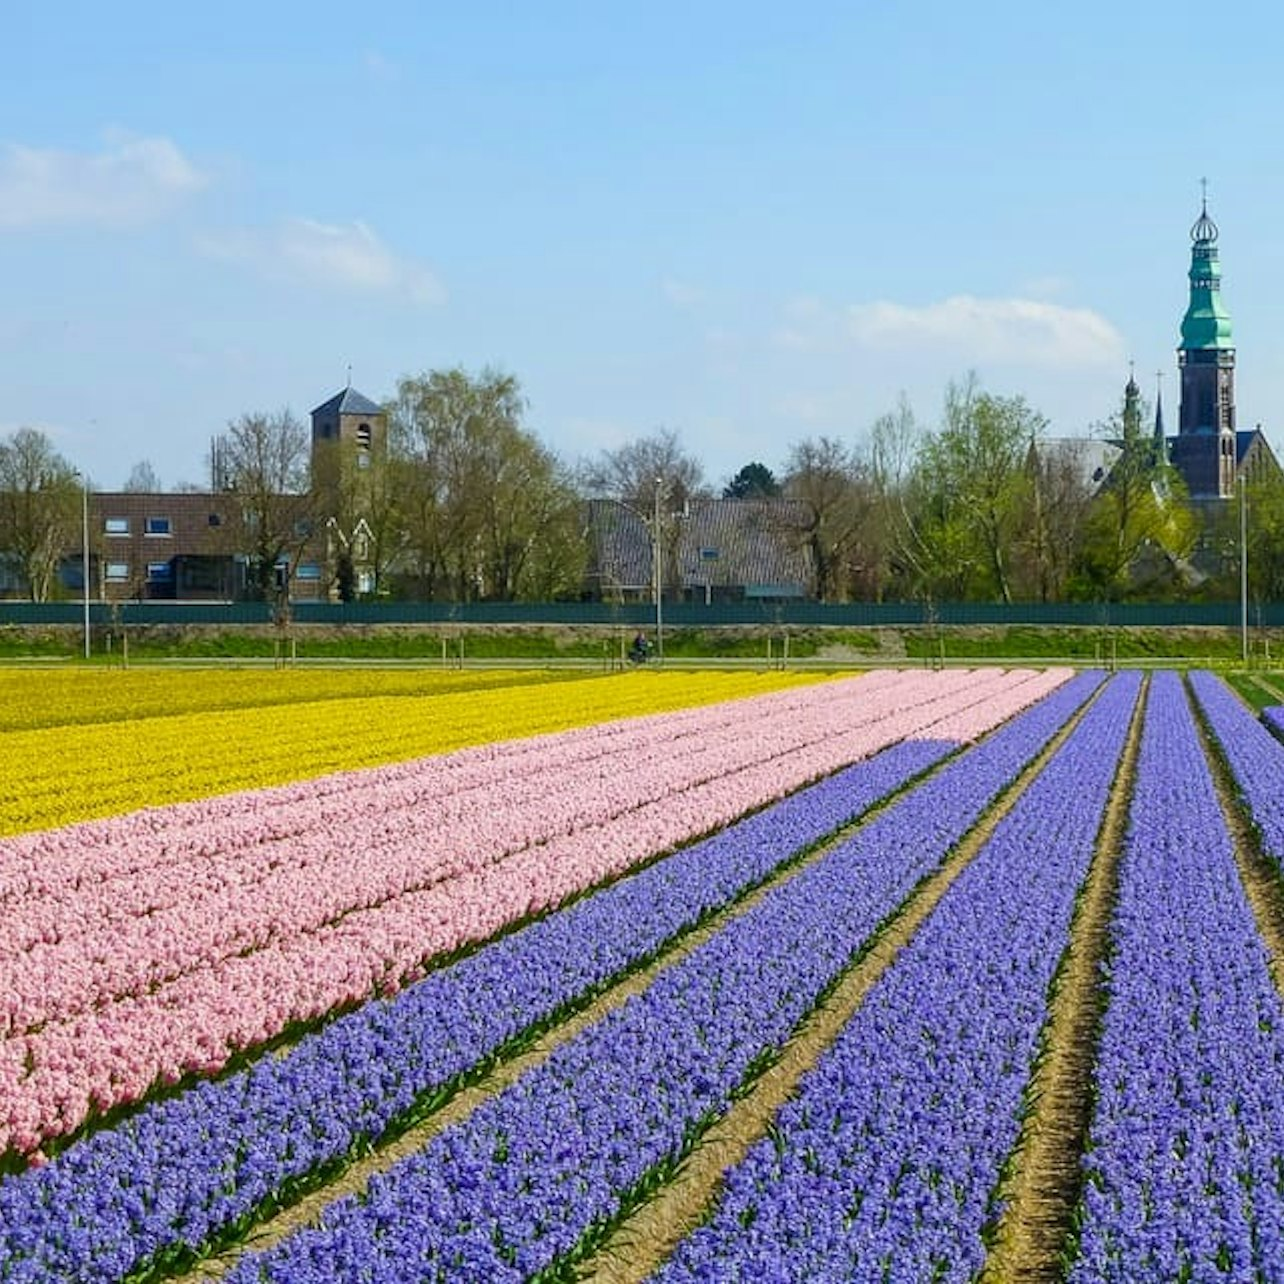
x=642, y=615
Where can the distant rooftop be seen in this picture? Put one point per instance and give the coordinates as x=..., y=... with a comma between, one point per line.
x=348, y=402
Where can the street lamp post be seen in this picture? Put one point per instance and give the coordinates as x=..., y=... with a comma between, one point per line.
x=1243, y=568
x=657, y=554
x=84, y=554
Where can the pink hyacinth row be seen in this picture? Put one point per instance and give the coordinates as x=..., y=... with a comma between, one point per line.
x=159, y=951
x=184, y=899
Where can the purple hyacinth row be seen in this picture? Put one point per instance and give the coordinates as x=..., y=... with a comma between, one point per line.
x=1186, y=1162
x=520, y=1182
x=889, y=1156
x=1273, y=717
x=1255, y=756
x=184, y=1169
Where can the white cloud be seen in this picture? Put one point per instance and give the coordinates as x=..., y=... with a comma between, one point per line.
x=132, y=180
x=348, y=256
x=1017, y=331
x=681, y=294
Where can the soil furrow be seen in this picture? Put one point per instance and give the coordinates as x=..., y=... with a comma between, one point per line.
x=354, y=1179
x=1043, y=1187
x=643, y=1242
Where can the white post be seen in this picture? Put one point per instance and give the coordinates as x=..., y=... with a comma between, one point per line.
x=84, y=553
x=1243, y=568
x=659, y=576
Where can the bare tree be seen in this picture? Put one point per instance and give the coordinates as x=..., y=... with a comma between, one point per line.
x=828, y=477
x=40, y=509
x=630, y=472
x=142, y=479
x=266, y=461
x=1060, y=502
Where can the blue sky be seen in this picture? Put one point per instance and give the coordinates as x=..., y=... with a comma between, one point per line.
x=750, y=223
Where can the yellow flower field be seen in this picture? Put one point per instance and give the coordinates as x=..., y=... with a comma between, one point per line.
x=55, y=775
x=62, y=697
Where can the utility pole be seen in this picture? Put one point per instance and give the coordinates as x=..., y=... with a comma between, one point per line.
x=1243, y=568
x=658, y=553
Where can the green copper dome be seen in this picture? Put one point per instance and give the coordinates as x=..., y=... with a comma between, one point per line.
x=1206, y=323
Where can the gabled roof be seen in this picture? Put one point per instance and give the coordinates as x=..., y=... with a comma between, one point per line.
x=757, y=544
x=1243, y=440
x=348, y=402
x=621, y=546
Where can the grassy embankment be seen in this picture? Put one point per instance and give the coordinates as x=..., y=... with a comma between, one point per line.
x=604, y=646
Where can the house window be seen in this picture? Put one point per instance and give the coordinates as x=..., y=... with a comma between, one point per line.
x=308, y=571
x=302, y=528
x=363, y=436
x=116, y=526
x=159, y=571
x=117, y=571
x=156, y=526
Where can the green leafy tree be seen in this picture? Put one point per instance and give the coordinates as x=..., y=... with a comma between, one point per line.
x=1140, y=529
x=753, y=481
x=488, y=511
x=969, y=493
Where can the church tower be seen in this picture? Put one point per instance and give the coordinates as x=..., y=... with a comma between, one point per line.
x=1204, y=449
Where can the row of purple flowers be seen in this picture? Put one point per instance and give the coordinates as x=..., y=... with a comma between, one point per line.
x=1254, y=755
x=536, y=1173
x=1185, y=1171
x=886, y=1163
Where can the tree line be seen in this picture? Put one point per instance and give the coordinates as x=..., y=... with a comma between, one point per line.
x=467, y=503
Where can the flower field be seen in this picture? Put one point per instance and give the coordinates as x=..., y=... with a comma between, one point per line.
x=469, y=1014
x=83, y=744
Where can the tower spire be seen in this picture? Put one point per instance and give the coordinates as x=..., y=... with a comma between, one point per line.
x=1161, y=437
x=1132, y=405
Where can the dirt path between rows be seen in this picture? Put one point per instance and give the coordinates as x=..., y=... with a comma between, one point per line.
x=1044, y=1184
x=644, y=1241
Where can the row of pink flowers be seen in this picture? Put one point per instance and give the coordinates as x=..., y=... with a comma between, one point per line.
x=287, y=925
x=129, y=933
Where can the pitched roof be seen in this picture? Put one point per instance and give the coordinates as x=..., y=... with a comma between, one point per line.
x=348, y=402
x=757, y=544
x=621, y=546
x=1243, y=440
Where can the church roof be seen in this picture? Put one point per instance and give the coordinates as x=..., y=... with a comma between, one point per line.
x=348, y=402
